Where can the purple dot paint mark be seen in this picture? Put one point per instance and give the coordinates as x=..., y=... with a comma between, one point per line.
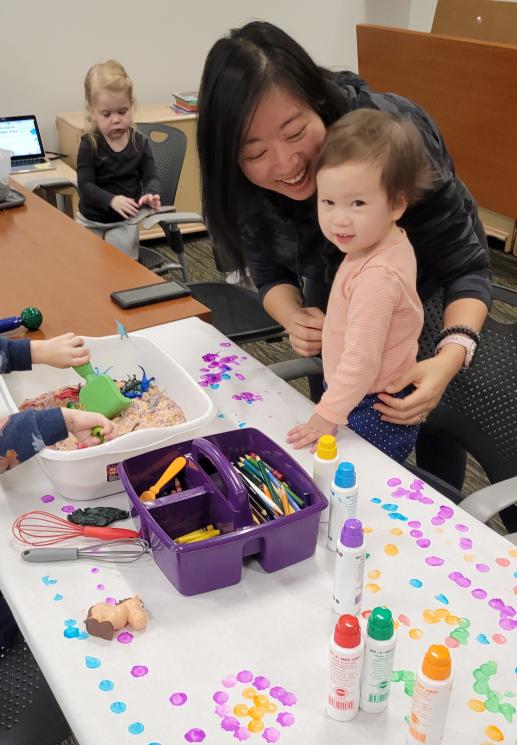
x=434, y=561
x=230, y=724
x=465, y=544
x=111, y=601
x=399, y=493
x=425, y=543
x=416, y=533
x=462, y=528
x=101, y=587
x=240, y=376
x=289, y=699
x=394, y=482
x=245, y=676
x=437, y=521
x=417, y=484
x=415, y=496
x=138, y=671
x=415, y=524
x=285, y=719
x=482, y=568
x=261, y=683
x=271, y=734
x=278, y=692
x=178, y=699
x=195, y=734
x=125, y=637
x=496, y=603
x=478, y=593
x=220, y=697
x=69, y=508
x=446, y=512
x=95, y=570
x=508, y=624
x=47, y=498
x=242, y=734
x=225, y=344
x=427, y=500
x=135, y=728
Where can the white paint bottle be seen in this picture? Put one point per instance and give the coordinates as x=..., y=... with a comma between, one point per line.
x=349, y=568
x=346, y=659
x=343, y=501
x=431, y=698
x=379, y=653
x=324, y=465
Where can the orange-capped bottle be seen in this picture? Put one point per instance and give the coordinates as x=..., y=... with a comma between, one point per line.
x=431, y=697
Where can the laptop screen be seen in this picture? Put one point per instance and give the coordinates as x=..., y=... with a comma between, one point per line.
x=20, y=135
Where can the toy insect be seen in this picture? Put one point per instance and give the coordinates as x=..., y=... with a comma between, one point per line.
x=104, y=619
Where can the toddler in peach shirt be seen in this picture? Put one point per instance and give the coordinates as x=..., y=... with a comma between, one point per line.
x=372, y=166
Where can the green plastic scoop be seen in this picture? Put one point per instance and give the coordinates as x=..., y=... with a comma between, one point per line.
x=100, y=393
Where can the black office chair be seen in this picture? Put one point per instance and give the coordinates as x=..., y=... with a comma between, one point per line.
x=478, y=411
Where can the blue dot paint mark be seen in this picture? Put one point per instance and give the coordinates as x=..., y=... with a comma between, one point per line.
x=47, y=581
x=242, y=425
x=70, y=622
x=71, y=632
x=220, y=415
x=106, y=685
x=442, y=598
x=118, y=707
x=416, y=582
x=57, y=597
x=83, y=635
x=515, y=575
x=397, y=516
x=227, y=377
x=154, y=743
x=375, y=500
x=390, y=507
x=215, y=386
x=135, y=728
x=92, y=662
x=481, y=638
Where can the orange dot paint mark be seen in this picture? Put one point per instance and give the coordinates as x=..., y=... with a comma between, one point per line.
x=374, y=574
x=368, y=530
x=397, y=531
x=372, y=587
x=271, y=707
x=452, y=620
x=256, y=726
x=396, y=624
x=249, y=693
x=416, y=633
x=366, y=613
x=390, y=549
x=494, y=733
x=513, y=552
x=469, y=557
x=476, y=705
x=240, y=710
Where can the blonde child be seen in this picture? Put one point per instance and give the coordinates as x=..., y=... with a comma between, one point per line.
x=116, y=172
x=22, y=435
x=371, y=168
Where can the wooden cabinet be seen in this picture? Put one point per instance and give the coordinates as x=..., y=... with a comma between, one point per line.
x=70, y=127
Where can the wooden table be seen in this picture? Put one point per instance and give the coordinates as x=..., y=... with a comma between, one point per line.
x=51, y=262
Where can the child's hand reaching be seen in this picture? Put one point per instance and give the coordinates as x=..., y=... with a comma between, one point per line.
x=151, y=200
x=310, y=432
x=125, y=206
x=80, y=423
x=67, y=350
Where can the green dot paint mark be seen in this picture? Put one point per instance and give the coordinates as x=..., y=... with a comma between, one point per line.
x=493, y=702
x=407, y=677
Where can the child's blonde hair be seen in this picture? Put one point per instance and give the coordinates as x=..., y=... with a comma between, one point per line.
x=110, y=76
x=393, y=143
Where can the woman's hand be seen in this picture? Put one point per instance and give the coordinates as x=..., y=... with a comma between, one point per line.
x=125, y=206
x=430, y=378
x=67, y=350
x=304, y=329
x=150, y=200
x=310, y=432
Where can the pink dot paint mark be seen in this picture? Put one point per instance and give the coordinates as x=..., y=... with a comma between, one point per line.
x=479, y=594
x=404, y=620
x=271, y=734
x=462, y=528
x=425, y=543
x=502, y=562
x=240, y=376
x=178, y=699
x=47, y=498
x=394, y=482
x=101, y=587
x=225, y=344
x=483, y=568
x=400, y=493
x=465, y=544
x=427, y=500
x=499, y=638
x=223, y=710
x=95, y=570
x=229, y=681
x=242, y=734
x=434, y=561
x=452, y=643
x=415, y=524
x=437, y=520
x=110, y=601
x=196, y=734
x=125, y=637
x=220, y=697
x=138, y=671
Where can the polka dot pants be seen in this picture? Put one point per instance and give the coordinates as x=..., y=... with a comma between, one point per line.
x=396, y=440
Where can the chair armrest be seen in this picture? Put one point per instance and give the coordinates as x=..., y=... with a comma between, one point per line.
x=46, y=183
x=299, y=368
x=486, y=502
x=171, y=218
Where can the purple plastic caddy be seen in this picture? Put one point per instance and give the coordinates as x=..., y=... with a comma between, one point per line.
x=214, y=493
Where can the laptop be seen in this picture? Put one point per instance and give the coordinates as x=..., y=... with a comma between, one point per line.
x=21, y=135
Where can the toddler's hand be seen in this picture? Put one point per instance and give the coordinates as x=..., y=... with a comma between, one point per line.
x=125, y=206
x=310, y=432
x=67, y=350
x=80, y=423
x=151, y=200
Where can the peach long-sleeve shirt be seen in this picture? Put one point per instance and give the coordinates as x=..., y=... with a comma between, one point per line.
x=371, y=329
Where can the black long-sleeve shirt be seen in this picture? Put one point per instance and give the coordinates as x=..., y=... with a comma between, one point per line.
x=282, y=241
x=103, y=173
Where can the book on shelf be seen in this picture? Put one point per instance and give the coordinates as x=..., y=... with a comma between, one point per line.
x=185, y=102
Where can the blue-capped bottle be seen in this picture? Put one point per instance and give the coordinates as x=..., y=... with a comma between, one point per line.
x=343, y=501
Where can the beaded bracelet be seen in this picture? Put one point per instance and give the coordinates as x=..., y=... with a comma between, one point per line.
x=459, y=329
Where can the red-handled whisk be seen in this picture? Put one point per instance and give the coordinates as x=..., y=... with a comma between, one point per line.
x=39, y=528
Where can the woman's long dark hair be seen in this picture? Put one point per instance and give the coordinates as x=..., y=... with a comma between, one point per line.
x=238, y=70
